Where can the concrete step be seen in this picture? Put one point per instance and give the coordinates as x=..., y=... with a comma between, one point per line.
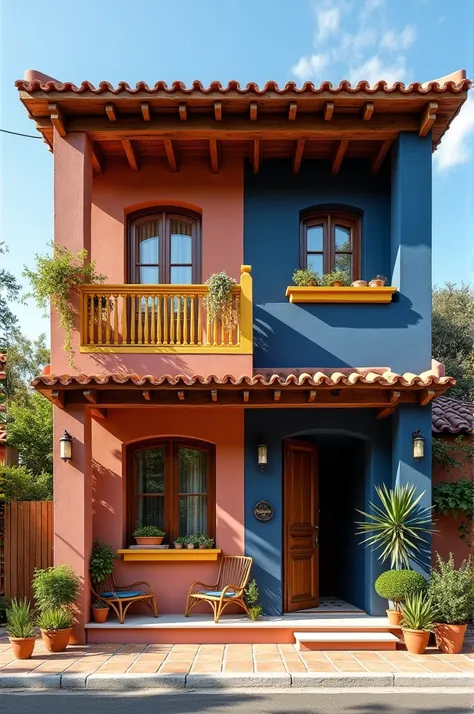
x=344, y=640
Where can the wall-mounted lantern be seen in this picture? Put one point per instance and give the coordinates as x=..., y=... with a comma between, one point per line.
x=262, y=455
x=65, y=446
x=418, y=445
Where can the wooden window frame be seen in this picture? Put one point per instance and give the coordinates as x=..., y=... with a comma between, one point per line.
x=328, y=220
x=163, y=216
x=171, y=484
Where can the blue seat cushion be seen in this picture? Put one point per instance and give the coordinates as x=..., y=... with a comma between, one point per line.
x=122, y=594
x=218, y=593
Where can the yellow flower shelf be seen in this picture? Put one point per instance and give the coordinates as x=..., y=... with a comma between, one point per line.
x=169, y=555
x=339, y=294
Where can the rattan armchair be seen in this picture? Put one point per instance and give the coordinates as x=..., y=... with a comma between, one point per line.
x=232, y=579
x=120, y=597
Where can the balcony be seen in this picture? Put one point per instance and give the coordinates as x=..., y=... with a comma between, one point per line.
x=163, y=319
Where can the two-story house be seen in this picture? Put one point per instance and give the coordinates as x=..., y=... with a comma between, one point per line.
x=268, y=435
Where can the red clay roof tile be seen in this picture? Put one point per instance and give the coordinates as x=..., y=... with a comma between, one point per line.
x=451, y=415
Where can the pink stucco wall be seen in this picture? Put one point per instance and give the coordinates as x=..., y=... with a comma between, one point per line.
x=91, y=212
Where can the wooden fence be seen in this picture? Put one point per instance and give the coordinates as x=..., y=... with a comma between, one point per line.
x=28, y=544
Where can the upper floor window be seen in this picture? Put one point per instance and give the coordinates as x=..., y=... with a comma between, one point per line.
x=164, y=247
x=331, y=241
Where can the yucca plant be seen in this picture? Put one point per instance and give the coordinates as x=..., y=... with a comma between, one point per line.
x=57, y=619
x=418, y=613
x=20, y=619
x=397, y=528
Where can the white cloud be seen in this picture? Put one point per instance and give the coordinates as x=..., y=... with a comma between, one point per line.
x=327, y=19
x=371, y=5
x=457, y=146
x=310, y=66
x=357, y=42
x=392, y=40
x=375, y=69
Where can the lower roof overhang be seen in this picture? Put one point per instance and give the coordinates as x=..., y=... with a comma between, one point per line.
x=379, y=390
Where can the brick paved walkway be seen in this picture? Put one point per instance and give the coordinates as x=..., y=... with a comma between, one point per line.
x=212, y=659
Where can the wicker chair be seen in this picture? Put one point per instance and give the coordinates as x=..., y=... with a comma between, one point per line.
x=232, y=579
x=120, y=597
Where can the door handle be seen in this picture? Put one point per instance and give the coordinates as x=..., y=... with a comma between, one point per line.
x=316, y=538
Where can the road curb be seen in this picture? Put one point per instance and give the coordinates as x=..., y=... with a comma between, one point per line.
x=345, y=680
x=440, y=679
x=233, y=680
x=119, y=682
x=30, y=681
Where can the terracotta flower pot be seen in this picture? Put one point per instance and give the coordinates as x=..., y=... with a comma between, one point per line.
x=394, y=617
x=450, y=638
x=359, y=284
x=416, y=641
x=336, y=284
x=22, y=647
x=178, y=546
x=56, y=640
x=190, y=546
x=149, y=540
x=376, y=283
x=100, y=614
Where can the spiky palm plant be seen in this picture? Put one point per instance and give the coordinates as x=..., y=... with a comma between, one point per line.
x=398, y=527
x=418, y=613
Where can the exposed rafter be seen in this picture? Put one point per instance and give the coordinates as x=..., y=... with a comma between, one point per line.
x=99, y=414
x=428, y=118
x=367, y=111
x=218, y=111
x=328, y=111
x=111, y=113
x=90, y=395
x=426, y=396
x=145, y=107
x=130, y=154
x=183, y=112
x=181, y=396
x=146, y=395
x=97, y=159
x=292, y=109
x=171, y=155
x=253, y=111
x=245, y=395
x=388, y=410
x=311, y=396
x=57, y=119
x=58, y=399
x=214, y=154
x=339, y=155
x=214, y=395
x=256, y=155
x=298, y=155
x=380, y=155
x=277, y=395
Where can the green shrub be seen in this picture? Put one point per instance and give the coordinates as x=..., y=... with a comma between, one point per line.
x=202, y=539
x=451, y=591
x=252, y=595
x=19, y=484
x=305, y=278
x=55, y=587
x=148, y=532
x=417, y=612
x=55, y=619
x=20, y=619
x=398, y=585
x=337, y=276
x=101, y=563
x=181, y=539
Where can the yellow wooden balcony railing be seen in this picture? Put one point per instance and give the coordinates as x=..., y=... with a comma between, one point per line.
x=163, y=318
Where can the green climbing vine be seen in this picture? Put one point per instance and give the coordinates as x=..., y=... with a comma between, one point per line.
x=456, y=498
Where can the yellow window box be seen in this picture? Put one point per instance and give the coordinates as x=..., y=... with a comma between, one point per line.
x=339, y=294
x=169, y=555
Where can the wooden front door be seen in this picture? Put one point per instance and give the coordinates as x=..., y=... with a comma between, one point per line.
x=301, y=517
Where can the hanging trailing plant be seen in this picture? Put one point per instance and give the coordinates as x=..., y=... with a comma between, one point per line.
x=56, y=279
x=218, y=301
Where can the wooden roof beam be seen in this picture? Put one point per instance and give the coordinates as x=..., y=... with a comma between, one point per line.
x=111, y=113
x=57, y=119
x=428, y=118
x=98, y=414
x=380, y=155
x=253, y=111
x=292, y=109
x=146, y=395
x=97, y=159
x=328, y=111
x=298, y=155
x=245, y=395
x=58, y=398
x=183, y=112
x=214, y=395
x=214, y=154
x=426, y=396
x=90, y=395
x=276, y=395
x=256, y=155
x=367, y=111
x=130, y=154
x=311, y=396
x=181, y=396
x=218, y=111
x=384, y=412
x=145, y=107
x=338, y=156
x=171, y=155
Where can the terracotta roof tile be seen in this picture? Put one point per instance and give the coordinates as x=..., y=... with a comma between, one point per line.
x=451, y=415
x=3, y=436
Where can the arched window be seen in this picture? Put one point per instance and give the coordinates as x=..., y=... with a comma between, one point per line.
x=164, y=247
x=171, y=484
x=330, y=241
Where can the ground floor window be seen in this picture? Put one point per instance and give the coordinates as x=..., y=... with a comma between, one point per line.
x=171, y=484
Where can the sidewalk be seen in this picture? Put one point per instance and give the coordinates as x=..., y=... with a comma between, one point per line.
x=177, y=666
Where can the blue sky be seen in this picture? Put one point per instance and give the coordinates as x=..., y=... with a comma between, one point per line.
x=249, y=40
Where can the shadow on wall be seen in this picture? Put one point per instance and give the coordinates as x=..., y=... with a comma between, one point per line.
x=104, y=512
x=114, y=363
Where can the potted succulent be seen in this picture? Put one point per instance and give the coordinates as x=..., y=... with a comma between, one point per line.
x=100, y=610
x=450, y=590
x=204, y=542
x=306, y=278
x=397, y=586
x=55, y=590
x=180, y=542
x=21, y=628
x=377, y=282
x=417, y=622
x=148, y=535
x=252, y=597
x=56, y=627
x=336, y=279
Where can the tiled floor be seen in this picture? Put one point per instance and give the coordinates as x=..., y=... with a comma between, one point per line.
x=211, y=659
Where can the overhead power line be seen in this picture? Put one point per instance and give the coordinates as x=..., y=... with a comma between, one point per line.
x=17, y=133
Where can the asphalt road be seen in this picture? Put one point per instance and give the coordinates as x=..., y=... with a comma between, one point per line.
x=255, y=702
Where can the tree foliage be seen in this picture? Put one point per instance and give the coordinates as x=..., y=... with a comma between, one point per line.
x=9, y=292
x=453, y=325
x=25, y=360
x=30, y=430
x=19, y=484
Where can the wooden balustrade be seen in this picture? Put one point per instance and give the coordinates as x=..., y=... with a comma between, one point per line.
x=163, y=318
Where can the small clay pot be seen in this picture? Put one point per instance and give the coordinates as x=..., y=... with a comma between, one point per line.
x=56, y=640
x=394, y=617
x=100, y=614
x=178, y=546
x=149, y=540
x=22, y=647
x=202, y=547
x=359, y=284
x=336, y=284
x=376, y=283
x=416, y=641
x=450, y=638
x=190, y=546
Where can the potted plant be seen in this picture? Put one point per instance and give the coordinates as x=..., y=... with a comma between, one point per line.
x=450, y=590
x=101, y=562
x=204, y=542
x=396, y=586
x=377, y=282
x=180, y=542
x=359, y=284
x=252, y=595
x=55, y=590
x=336, y=279
x=218, y=301
x=100, y=610
x=21, y=628
x=306, y=278
x=56, y=627
x=417, y=622
x=148, y=535
x=190, y=542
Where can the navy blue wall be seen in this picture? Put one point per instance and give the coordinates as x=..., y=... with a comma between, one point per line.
x=396, y=240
